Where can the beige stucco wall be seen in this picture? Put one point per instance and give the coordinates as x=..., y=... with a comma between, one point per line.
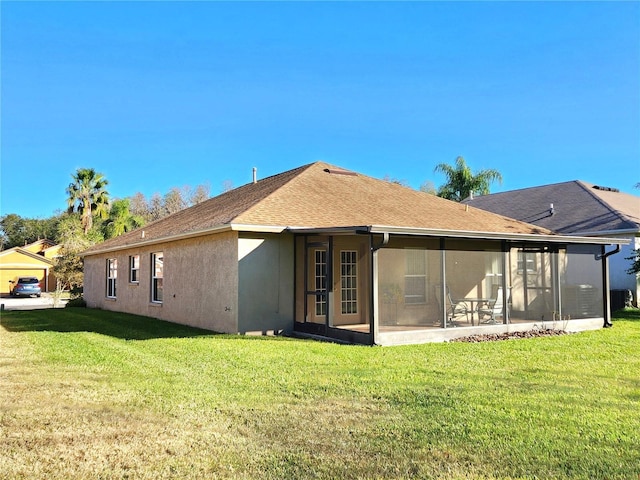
x=200, y=282
x=266, y=283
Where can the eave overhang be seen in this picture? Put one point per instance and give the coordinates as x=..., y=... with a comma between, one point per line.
x=362, y=229
x=142, y=242
x=478, y=235
x=514, y=237
x=27, y=253
x=628, y=231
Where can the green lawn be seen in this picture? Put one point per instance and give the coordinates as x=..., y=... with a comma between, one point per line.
x=95, y=394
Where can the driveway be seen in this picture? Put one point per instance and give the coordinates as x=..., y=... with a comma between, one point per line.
x=29, y=303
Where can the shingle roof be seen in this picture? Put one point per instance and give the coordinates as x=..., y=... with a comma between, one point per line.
x=579, y=207
x=320, y=195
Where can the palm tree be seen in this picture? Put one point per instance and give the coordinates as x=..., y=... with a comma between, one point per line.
x=462, y=183
x=121, y=219
x=87, y=195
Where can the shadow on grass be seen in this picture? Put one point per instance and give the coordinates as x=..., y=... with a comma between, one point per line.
x=627, y=314
x=114, y=324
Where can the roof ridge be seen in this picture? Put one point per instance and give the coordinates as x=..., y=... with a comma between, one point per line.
x=259, y=201
x=603, y=202
x=533, y=187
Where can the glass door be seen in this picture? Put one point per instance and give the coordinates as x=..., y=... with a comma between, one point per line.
x=317, y=282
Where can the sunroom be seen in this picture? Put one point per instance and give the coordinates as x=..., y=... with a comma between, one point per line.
x=391, y=286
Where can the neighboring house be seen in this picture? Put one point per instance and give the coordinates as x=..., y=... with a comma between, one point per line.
x=33, y=260
x=578, y=208
x=324, y=251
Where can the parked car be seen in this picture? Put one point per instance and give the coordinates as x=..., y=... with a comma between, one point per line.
x=26, y=286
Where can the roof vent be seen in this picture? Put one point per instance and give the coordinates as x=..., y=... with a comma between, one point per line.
x=605, y=189
x=340, y=171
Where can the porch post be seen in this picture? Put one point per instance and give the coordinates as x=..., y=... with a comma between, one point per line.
x=305, y=273
x=443, y=290
x=557, y=288
x=330, y=292
x=375, y=314
x=505, y=293
x=605, y=289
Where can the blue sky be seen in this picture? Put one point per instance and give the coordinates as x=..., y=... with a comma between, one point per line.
x=163, y=94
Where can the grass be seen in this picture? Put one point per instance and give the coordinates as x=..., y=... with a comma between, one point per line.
x=94, y=394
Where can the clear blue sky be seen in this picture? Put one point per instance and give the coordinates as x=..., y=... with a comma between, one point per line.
x=163, y=94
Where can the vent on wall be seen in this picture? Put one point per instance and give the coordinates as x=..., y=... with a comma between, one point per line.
x=605, y=189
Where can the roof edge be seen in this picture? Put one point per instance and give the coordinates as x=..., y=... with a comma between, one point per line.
x=498, y=235
x=243, y=227
x=154, y=241
x=27, y=253
x=626, y=231
x=370, y=229
x=621, y=215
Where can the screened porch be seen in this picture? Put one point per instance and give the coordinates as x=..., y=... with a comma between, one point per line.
x=413, y=289
x=452, y=283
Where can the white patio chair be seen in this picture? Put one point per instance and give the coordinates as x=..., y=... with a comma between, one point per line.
x=494, y=308
x=456, y=308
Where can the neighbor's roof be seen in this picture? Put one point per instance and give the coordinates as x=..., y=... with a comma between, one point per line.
x=8, y=257
x=579, y=208
x=322, y=196
x=36, y=250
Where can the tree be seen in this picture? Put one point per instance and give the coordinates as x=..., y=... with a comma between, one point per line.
x=462, y=182
x=227, y=186
x=17, y=231
x=121, y=219
x=174, y=201
x=68, y=265
x=397, y=181
x=87, y=195
x=156, y=207
x=428, y=187
x=200, y=194
x=138, y=205
x=635, y=265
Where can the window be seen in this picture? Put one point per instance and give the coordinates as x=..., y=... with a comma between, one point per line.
x=321, y=282
x=527, y=259
x=349, y=281
x=157, y=274
x=112, y=274
x=134, y=268
x=415, y=277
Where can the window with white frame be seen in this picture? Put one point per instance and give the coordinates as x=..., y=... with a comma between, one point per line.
x=157, y=275
x=112, y=275
x=349, y=281
x=134, y=268
x=415, y=277
x=527, y=260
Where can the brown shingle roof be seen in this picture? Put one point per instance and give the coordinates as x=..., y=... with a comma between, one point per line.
x=320, y=195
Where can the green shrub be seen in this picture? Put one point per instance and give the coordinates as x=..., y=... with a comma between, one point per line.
x=76, y=302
